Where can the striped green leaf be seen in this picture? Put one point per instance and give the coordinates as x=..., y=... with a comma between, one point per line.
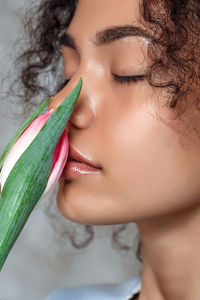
x=28, y=178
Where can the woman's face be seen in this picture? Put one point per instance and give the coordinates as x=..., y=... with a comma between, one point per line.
x=147, y=169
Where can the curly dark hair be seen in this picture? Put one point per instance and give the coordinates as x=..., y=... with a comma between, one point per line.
x=174, y=28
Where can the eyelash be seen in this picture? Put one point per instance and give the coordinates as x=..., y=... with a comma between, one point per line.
x=128, y=79
x=121, y=79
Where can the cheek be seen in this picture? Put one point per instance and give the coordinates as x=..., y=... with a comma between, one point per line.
x=148, y=167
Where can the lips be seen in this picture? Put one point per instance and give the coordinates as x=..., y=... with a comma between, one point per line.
x=75, y=155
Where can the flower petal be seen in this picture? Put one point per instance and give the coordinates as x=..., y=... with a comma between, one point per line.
x=21, y=144
x=59, y=161
x=21, y=129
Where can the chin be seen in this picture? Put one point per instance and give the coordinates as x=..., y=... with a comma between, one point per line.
x=90, y=206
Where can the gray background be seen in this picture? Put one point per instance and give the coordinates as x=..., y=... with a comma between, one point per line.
x=41, y=261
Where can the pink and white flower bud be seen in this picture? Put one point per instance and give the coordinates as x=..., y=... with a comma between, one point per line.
x=22, y=143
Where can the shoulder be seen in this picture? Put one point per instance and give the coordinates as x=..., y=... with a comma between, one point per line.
x=99, y=292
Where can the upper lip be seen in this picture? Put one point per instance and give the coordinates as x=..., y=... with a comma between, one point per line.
x=77, y=155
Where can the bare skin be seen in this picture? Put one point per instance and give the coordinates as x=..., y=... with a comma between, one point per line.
x=150, y=175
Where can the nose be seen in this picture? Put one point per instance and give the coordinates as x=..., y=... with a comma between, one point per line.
x=82, y=116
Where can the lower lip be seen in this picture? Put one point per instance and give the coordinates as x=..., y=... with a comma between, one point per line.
x=74, y=169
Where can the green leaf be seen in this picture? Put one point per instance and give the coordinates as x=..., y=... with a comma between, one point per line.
x=27, y=180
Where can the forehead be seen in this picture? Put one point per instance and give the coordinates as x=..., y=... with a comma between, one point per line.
x=95, y=15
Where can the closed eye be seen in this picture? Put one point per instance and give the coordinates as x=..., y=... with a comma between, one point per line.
x=127, y=79
x=121, y=79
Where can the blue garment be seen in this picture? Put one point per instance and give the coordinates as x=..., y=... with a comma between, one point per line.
x=123, y=291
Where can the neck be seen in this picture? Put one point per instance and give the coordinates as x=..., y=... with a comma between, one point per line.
x=171, y=257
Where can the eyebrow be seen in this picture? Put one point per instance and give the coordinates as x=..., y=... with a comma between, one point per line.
x=108, y=35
